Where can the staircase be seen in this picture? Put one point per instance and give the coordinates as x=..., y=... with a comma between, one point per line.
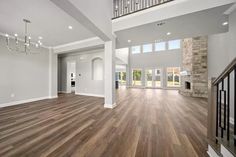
x=221, y=113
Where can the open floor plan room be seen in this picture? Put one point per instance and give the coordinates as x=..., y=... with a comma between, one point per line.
x=117, y=78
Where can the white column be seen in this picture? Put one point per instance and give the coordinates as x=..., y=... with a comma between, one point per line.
x=109, y=81
x=53, y=77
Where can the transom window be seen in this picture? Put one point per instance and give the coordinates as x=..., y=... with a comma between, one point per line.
x=147, y=48
x=160, y=46
x=135, y=49
x=174, y=44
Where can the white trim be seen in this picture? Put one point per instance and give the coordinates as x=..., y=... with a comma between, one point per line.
x=225, y=152
x=110, y=105
x=211, y=152
x=53, y=97
x=75, y=43
x=24, y=101
x=90, y=94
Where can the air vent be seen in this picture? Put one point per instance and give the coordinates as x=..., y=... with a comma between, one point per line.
x=160, y=24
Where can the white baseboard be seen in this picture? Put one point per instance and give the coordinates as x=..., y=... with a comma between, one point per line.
x=110, y=105
x=89, y=94
x=26, y=101
x=53, y=97
x=211, y=152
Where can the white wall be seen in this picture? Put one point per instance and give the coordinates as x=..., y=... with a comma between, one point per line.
x=23, y=76
x=222, y=48
x=84, y=82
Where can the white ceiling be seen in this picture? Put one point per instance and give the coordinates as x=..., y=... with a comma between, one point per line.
x=47, y=19
x=195, y=24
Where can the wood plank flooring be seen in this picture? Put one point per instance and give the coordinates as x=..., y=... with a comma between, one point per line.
x=145, y=123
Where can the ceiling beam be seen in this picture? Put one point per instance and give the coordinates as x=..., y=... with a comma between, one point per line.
x=74, y=12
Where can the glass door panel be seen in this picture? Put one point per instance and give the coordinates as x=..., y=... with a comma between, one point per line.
x=149, y=81
x=137, y=77
x=157, y=77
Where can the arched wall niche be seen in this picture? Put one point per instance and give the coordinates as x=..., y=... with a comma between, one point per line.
x=97, y=69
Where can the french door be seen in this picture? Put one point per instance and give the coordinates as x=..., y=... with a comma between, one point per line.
x=153, y=78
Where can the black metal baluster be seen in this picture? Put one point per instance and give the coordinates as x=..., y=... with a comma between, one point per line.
x=228, y=107
x=234, y=105
x=217, y=110
x=222, y=128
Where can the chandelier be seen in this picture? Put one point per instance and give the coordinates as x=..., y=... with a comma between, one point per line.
x=23, y=45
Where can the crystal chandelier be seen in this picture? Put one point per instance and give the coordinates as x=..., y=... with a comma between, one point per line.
x=25, y=45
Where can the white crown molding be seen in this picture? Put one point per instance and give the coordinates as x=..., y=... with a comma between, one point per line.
x=76, y=42
x=90, y=42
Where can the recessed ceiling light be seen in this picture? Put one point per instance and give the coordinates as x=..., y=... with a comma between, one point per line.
x=7, y=35
x=169, y=33
x=225, y=23
x=16, y=35
x=129, y=41
x=70, y=27
x=40, y=38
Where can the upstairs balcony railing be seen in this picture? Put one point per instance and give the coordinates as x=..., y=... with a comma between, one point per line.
x=222, y=108
x=126, y=7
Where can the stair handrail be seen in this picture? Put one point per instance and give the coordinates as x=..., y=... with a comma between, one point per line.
x=225, y=72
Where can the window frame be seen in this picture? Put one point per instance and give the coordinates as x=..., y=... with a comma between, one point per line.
x=146, y=45
x=173, y=86
x=140, y=49
x=168, y=44
x=165, y=43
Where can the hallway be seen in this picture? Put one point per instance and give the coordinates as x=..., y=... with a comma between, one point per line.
x=145, y=123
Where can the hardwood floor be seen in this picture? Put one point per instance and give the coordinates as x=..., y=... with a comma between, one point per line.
x=145, y=123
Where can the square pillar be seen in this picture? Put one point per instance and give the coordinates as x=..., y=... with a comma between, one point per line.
x=109, y=78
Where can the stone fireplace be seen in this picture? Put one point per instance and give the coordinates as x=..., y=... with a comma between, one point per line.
x=194, y=65
x=187, y=85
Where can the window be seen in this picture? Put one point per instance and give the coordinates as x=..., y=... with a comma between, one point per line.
x=135, y=49
x=160, y=46
x=173, y=77
x=137, y=77
x=148, y=77
x=157, y=77
x=97, y=69
x=174, y=44
x=147, y=48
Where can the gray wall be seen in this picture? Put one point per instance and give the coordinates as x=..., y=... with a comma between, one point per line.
x=221, y=51
x=162, y=59
x=23, y=76
x=84, y=83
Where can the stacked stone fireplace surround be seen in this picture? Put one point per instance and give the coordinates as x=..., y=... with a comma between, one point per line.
x=195, y=63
